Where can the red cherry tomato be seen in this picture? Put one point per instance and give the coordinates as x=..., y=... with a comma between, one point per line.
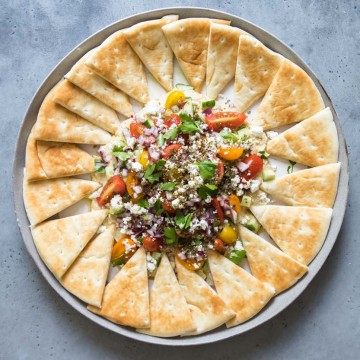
x=137, y=129
x=219, y=246
x=220, y=120
x=219, y=210
x=255, y=163
x=167, y=207
x=220, y=171
x=172, y=119
x=115, y=185
x=151, y=244
x=169, y=150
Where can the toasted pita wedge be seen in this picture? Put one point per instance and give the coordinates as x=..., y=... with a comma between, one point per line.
x=169, y=312
x=59, y=242
x=221, y=60
x=87, y=106
x=55, y=123
x=46, y=198
x=314, y=187
x=115, y=61
x=87, y=275
x=312, y=142
x=86, y=79
x=126, y=297
x=148, y=41
x=189, y=40
x=256, y=68
x=242, y=292
x=298, y=231
x=291, y=97
x=269, y=264
x=208, y=310
x=34, y=170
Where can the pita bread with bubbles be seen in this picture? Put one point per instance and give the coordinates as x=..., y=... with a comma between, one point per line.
x=207, y=309
x=313, y=142
x=59, y=242
x=34, y=170
x=291, y=97
x=256, y=67
x=298, y=231
x=269, y=264
x=150, y=44
x=314, y=187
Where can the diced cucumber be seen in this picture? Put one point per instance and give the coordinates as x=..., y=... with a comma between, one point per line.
x=188, y=107
x=208, y=104
x=116, y=212
x=109, y=171
x=268, y=173
x=252, y=224
x=148, y=124
x=184, y=87
x=246, y=201
x=243, y=133
x=236, y=256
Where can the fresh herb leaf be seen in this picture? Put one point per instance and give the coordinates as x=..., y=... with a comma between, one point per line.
x=171, y=134
x=100, y=170
x=170, y=186
x=189, y=128
x=170, y=235
x=147, y=124
x=207, y=189
x=158, y=207
x=226, y=134
x=160, y=164
x=290, y=168
x=118, y=147
x=185, y=118
x=160, y=140
x=123, y=156
x=154, y=177
x=207, y=169
x=263, y=154
x=152, y=174
x=183, y=221
x=143, y=203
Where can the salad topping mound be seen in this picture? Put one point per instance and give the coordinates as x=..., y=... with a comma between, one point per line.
x=179, y=177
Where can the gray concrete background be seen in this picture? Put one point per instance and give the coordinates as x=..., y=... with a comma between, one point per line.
x=324, y=323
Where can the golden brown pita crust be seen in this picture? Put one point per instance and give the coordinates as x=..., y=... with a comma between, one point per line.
x=34, y=170
x=291, y=97
x=169, y=312
x=87, y=106
x=150, y=44
x=256, y=68
x=312, y=142
x=60, y=241
x=208, y=310
x=126, y=297
x=221, y=59
x=46, y=198
x=269, y=264
x=55, y=123
x=242, y=292
x=298, y=231
x=314, y=187
x=116, y=62
x=86, y=79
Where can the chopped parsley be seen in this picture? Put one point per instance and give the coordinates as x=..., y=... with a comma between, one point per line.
x=205, y=190
x=183, y=221
x=226, y=134
x=170, y=235
x=170, y=186
x=207, y=169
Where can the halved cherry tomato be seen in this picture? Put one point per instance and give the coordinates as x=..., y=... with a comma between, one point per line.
x=219, y=210
x=220, y=172
x=228, y=234
x=169, y=150
x=219, y=120
x=231, y=153
x=172, y=119
x=234, y=202
x=191, y=264
x=175, y=97
x=115, y=185
x=168, y=207
x=119, y=256
x=131, y=182
x=137, y=129
x=219, y=246
x=151, y=244
x=255, y=163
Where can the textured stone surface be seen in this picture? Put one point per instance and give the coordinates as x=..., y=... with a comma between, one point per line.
x=323, y=323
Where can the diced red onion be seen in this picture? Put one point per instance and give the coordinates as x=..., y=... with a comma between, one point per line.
x=207, y=111
x=242, y=166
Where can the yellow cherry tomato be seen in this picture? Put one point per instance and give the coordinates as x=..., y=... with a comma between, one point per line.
x=228, y=234
x=144, y=159
x=119, y=256
x=131, y=182
x=174, y=98
x=234, y=202
x=231, y=153
x=191, y=264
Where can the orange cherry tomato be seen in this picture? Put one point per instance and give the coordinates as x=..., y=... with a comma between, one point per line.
x=219, y=246
x=172, y=119
x=167, y=207
x=220, y=172
x=219, y=120
x=190, y=264
x=255, y=163
x=219, y=210
x=231, y=153
x=151, y=244
x=234, y=202
x=136, y=129
x=115, y=185
x=169, y=150
x=119, y=256
x=131, y=182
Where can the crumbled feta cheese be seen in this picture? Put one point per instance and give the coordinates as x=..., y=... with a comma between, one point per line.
x=152, y=107
x=238, y=246
x=256, y=131
x=116, y=202
x=272, y=134
x=151, y=267
x=136, y=166
x=175, y=203
x=255, y=185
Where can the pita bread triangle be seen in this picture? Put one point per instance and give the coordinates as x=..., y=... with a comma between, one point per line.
x=221, y=59
x=298, y=231
x=312, y=142
x=291, y=97
x=59, y=242
x=126, y=297
x=34, y=170
x=87, y=275
x=256, y=68
x=169, y=312
x=87, y=106
x=86, y=79
x=269, y=264
x=208, y=310
x=314, y=187
x=149, y=42
x=46, y=198
x=241, y=291
x=115, y=61
x=55, y=123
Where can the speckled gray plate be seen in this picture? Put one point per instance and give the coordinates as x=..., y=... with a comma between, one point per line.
x=277, y=304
